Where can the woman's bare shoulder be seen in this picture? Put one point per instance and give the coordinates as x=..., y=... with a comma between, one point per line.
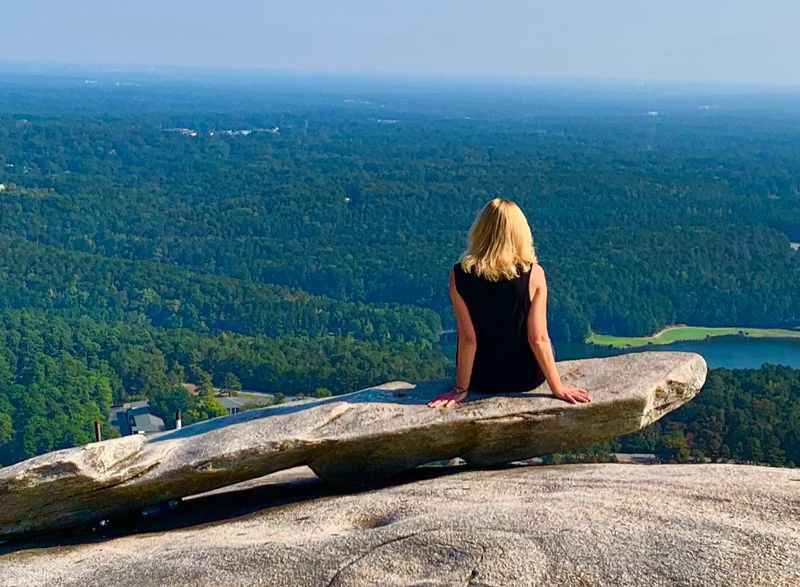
x=536, y=280
x=537, y=272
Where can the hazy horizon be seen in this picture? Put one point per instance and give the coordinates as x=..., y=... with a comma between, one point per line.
x=710, y=43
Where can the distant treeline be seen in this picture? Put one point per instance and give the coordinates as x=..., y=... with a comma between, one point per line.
x=640, y=222
x=59, y=374
x=747, y=416
x=44, y=277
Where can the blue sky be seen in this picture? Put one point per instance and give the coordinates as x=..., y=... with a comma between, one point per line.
x=698, y=40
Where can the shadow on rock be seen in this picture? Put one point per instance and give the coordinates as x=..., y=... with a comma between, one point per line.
x=238, y=501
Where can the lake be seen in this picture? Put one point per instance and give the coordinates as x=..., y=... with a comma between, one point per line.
x=732, y=352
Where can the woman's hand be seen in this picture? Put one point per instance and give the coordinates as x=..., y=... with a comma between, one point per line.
x=572, y=394
x=455, y=396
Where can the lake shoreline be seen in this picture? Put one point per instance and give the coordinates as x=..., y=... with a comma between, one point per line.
x=682, y=332
x=730, y=352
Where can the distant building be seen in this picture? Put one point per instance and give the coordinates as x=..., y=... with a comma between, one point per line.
x=187, y=132
x=234, y=404
x=135, y=418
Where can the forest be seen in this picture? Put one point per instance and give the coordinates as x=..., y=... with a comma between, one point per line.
x=746, y=415
x=741, y=415
x=297, y=236
x=59, y=372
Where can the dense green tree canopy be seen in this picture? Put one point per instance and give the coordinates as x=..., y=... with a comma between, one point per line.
x=297, y=239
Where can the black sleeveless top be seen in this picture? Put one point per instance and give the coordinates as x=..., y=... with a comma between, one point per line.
x=504, y=361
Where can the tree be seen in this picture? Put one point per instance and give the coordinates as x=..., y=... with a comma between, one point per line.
x=231, y=382
x=165, y=402
x=6, y=428
x=674, y=448
x=203, y=407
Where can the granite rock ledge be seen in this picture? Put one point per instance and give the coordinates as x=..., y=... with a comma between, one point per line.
x=348, y=440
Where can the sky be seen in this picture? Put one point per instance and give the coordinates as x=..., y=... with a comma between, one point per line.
x=696, y=41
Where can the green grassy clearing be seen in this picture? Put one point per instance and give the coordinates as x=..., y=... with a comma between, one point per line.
x=680, y=333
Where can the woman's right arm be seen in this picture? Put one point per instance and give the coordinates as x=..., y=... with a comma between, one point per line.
x=539, y=341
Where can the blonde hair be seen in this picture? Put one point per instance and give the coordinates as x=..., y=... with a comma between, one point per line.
x=500, y=242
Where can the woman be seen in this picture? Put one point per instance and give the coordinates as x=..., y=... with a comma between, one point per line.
x=499, y=296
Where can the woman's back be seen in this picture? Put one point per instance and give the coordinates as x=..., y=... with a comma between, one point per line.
x=499, y=310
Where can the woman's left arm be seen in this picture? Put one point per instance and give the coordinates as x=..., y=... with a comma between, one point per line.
x=467, y=347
